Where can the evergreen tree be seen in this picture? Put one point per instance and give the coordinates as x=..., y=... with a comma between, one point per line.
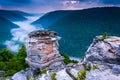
x=22, y=54
x=12, y=63
x=5, y=55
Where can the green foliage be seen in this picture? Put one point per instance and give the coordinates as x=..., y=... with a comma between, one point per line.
x=29, y=77
x=5, y=55
x=10, y=72
x=53, y=74
x=2, y=65
x=94, y=67
x=87, y=67
x=22, y=55
x=81, y=75
x=83, y=26
x=67, y=60
x=44, y=70
x=12, y=63
x=41, y=72
x=104, y=36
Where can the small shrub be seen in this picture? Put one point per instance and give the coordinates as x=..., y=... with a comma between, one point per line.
x=81, y=75
x=74, y=61
x=53, y=74
x=104, y=36
x=87, y=67
x=41, y=72
x=44, y=70
x=29, y=77
x=67, y=59
x=94, y=67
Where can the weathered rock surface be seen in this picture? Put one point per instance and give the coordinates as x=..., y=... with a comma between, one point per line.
x=42, y=51
x=101, y=75
x=5, y=78
x=104, y=54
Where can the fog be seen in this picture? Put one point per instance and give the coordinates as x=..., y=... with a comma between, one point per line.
x=20, y=33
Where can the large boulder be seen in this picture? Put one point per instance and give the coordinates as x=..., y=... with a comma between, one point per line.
x=106, y=55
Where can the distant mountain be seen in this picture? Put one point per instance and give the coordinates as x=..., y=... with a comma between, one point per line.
x=12, y=16
x=79, y=27
x=50, y=18
x=22, y=13
x=5, y=27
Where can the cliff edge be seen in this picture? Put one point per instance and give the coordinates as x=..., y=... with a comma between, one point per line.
x=101, y=62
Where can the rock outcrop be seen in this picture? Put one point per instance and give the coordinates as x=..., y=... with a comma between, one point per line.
x=42, y=50
x=106, y=55
x=101, y=62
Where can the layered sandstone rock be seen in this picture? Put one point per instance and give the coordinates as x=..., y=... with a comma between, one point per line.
x=42, y=50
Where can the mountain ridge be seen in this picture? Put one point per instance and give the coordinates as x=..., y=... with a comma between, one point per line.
x=46, y=21
x=82, y=25
x=6, y=27
x=12, y=16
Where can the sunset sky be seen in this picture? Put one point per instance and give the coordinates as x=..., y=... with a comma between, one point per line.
x=41, y=6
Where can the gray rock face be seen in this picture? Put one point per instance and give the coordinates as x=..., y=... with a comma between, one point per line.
x=20, y=76
x=101, y=75
x=105, y=54
x=5, y=78
x=2, y=72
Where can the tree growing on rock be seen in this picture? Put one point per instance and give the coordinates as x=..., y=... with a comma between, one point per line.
x=104, y=36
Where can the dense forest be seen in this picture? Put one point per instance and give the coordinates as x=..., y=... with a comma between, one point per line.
x=78, y=29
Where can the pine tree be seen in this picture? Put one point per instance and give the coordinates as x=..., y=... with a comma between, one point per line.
x=22, y=54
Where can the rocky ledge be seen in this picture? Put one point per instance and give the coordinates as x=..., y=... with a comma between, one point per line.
x=101, y=62
x=106, y=55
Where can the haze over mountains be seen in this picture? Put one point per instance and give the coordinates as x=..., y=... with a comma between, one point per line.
x=10, y=32
x=76, y=27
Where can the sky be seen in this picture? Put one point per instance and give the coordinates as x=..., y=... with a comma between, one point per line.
x=43, y=6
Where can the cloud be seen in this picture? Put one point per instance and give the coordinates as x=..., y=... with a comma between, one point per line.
x=39, y=6
x=78, y=4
